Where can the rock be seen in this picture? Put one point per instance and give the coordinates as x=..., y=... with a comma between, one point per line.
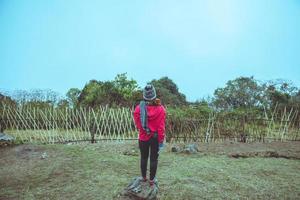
x=191, y=149
x=132, y=152
x=137, y=189
x=175, y=149
x=188, y=149
x=44, y=155
x=6, y=140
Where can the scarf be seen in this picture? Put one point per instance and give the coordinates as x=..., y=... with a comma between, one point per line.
x=144, y=117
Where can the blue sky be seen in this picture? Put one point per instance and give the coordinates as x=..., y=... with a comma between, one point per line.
x=199, y=44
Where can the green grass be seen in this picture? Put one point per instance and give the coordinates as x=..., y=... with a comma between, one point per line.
x=102, y=171
x=59, y=136
x=48, y=136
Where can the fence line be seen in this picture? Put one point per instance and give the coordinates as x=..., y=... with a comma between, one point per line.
x=49, y=125
x=53, y=125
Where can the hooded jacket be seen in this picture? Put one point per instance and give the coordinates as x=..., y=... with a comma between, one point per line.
x=156, y=122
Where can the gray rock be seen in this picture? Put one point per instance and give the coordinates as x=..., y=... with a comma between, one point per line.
x=44, y=155
x=137, y=189
x=191, y=149
x=175, y=149
x=6, y=138
x=131, y=152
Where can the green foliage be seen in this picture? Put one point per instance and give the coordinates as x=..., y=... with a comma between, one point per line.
x=295, y=100
x=240, y=96
x=97, y=93
x=38, y=104
x=125, y=87
x=35, y=97
x=243, y=92
x=192, y=111
x=242, y=113
x=246, y=93
x=119, y=92
x=72, y=96
x=7, y=101
x=63, y=104
x=281, y=94
x=168, y=91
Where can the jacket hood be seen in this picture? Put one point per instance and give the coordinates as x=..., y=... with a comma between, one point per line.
x=154, y=111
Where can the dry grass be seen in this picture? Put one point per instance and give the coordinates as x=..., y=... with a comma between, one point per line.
x=102, y=170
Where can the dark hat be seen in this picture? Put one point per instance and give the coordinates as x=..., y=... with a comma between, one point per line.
x=149, y=92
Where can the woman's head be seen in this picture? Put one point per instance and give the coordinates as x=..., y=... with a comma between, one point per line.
x=149, y=93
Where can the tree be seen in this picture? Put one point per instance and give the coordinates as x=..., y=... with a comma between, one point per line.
x=6, y=100
x=124, y=86
x=72, y=96
x=280, y=93
x=119, y=92
x=168, y=91
x=242, y=92
x=63, y=104
x=88, y=94
x=38, y=96
x=129, y=89
x=97, y=93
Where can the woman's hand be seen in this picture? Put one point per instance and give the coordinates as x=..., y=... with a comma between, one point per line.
x=160, y=147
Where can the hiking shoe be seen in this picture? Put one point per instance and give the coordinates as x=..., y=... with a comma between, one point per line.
x=152, y=182
x=144, y=179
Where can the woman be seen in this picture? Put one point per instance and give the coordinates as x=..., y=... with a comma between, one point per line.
x=150, y=117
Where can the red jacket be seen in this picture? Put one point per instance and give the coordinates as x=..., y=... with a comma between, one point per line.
x=156, y=122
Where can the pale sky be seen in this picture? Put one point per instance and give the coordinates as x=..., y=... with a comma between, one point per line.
x=54, y=44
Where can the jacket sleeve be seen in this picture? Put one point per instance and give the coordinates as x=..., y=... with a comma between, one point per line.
x=162, y=124
x=137, y=118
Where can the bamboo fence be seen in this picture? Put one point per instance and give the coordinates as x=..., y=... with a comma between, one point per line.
x=53, y=125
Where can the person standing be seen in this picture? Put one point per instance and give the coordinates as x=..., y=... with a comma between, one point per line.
x=149, y=118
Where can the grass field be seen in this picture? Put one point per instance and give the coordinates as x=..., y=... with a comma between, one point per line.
x=103, y=170
x=62, y=136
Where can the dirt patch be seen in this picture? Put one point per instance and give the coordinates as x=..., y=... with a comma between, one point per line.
x=268, y=154
x=275, y=149
x=12, y=154
x=28, y=152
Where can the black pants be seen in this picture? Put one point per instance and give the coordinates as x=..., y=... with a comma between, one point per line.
x=151, y=144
